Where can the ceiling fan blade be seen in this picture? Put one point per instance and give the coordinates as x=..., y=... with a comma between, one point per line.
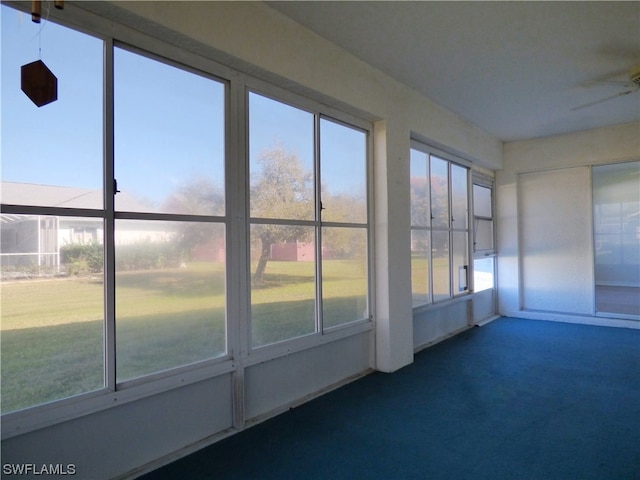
x=611, y=97
x=617, y=83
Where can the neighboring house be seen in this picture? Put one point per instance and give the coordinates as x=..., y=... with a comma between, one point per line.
x=29, y=241
x=34, y=241
x=293, y=251
x=296, y=252
x=214, y=251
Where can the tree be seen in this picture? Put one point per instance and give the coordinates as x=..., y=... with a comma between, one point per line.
x=420, y=213
x=199, y=196
x=281, y=190
x=344, y=242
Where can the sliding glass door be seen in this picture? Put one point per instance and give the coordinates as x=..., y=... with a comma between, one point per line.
x=616, y=215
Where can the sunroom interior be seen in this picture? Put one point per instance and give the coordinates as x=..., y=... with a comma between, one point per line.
x=234, y=207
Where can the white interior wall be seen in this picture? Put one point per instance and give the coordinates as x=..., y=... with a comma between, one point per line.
x=258, y=40
x=115, y=441
x=484, y=305
x=431, y=325
x=582, y=149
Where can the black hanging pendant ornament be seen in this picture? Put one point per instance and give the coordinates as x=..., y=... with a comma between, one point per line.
x=36, y=80
x=38, y=83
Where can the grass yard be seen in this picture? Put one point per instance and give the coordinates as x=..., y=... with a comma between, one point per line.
x=420, y=278
x=52, y=340
x=52, y=330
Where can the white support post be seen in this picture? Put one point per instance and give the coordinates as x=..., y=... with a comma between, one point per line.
x=393, y=313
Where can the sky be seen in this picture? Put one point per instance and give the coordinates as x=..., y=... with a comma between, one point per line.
x=169, y=124
x=60, y=143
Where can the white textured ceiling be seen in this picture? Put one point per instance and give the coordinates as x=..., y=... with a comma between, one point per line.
x=515, y=69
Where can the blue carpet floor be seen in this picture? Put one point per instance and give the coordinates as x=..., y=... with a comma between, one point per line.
x=515, y=399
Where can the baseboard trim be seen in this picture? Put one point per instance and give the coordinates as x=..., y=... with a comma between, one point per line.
x=484, y=321
x=569, y=318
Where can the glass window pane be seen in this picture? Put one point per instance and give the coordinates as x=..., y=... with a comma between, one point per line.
x=420, y=212
x=281, y=160
x=420, y=240
x=483, y=235
x=616, y=203
x=170, y=295
x=439, y=193
x=460, y=262
x=483, y=274
x=52, y=303
x=482, y=201
x=440, y=265
x=51, y=155
x=169, y=138
x=459, y=197
x=283, y=283
x=344, y=275
x=343, y=162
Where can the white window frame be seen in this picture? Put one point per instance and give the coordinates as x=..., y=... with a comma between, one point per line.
x=256, y=354
x=236, y=221
x=486, y=182
x=451, y=160
x=481, y=181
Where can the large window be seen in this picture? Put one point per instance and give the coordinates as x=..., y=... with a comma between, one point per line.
x=439, y=226
x=89, y=276
x=119, y=201
x=169, y=230
x=308, y=208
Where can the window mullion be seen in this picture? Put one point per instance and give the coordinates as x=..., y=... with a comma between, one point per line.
x=430, y=297
x=318, y=216
x=109, y=227
x=238, y=339
x=237, y=167
x=470, y=234
x=452, y=282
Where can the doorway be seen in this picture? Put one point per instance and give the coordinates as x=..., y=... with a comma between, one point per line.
x=616, y=222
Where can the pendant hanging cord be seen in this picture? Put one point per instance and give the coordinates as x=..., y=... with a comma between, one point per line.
x=36, y=17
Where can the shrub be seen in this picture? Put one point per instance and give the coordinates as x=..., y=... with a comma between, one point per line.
x=82, y=258
x=148, y=255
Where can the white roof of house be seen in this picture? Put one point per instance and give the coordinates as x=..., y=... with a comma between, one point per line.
x=15, y=193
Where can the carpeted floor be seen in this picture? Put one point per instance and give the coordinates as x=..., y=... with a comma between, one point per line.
x=515, y=399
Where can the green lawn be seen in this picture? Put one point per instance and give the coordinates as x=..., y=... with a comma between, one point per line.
x=52, y=330
x=420, y=276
